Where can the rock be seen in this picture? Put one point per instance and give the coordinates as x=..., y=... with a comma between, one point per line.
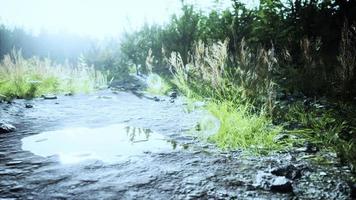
x=311, y=148
x=308, y=148
x=289, y=171
x=68, y=94
x=322, y=174
x=282, y=185
x=262, y=180
x=28, y=106
x=173, y=95
x=156, y=99
x=49, y=96
x=6, y=128
x=267, y=181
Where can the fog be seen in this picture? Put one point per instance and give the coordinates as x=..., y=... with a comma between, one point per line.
x=97, y=18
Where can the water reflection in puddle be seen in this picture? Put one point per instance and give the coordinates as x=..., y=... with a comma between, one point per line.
x=109, y=144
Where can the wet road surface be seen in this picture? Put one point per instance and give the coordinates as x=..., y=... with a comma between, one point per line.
x=119, y=146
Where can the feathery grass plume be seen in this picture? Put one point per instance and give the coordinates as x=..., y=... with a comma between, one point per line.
x=208, y=75
x=205, y=72
x=180, y=74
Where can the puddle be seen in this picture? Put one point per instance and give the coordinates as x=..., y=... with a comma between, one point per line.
x=108, y=144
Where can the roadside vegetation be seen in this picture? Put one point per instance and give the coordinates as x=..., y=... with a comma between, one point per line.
x=281, y=70
x=33, y=77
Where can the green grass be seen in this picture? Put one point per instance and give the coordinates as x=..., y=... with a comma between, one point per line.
x=244, y=99
x=242, y=124
x=28, y=78
x=325, y=128
x=241, y=129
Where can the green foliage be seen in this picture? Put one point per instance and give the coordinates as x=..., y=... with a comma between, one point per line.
x=209, y=76
x=314, y=56
x=325, y=128
x=28, y=78
x=242, y=129
x=320, y=126
x=280, y=47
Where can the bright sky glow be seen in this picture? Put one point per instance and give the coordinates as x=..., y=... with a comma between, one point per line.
x=98, y=18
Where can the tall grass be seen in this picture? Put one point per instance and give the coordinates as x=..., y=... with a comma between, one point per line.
x=28, y=78
x=208, y=74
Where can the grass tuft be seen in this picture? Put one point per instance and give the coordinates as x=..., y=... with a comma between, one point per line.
x=242, y=129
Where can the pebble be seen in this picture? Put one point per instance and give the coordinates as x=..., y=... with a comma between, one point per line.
x=28, y=106
x=282, y=185
x=49, y=97
x=6, y=128
x=156, y=99
x=173, y=95
x=322, y=174
x=289, y=171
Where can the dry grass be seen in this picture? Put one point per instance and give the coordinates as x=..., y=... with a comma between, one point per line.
x=207, y=74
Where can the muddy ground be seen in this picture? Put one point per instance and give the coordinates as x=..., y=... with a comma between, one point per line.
x=191, y=169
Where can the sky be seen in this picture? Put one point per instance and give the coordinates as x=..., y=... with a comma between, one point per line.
x=97, y=18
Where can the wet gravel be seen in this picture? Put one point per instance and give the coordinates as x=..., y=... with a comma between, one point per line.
x=192, y=170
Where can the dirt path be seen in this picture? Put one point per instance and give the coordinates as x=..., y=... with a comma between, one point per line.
x=187, y=170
